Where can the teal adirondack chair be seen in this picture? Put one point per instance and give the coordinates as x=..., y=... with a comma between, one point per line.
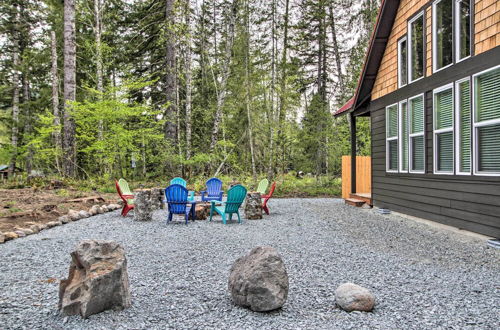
x=263, y=186
x=235, y=196
x=183, y=183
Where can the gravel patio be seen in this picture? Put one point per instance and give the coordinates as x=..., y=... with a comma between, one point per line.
x=423, y=277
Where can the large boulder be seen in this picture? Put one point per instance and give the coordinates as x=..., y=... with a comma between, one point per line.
x=351, y=297
x=97, y=280
x=259, y=280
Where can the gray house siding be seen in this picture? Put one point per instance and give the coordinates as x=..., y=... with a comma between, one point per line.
x=468, y=202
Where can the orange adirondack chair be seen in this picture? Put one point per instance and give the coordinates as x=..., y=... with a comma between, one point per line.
x=267, y=197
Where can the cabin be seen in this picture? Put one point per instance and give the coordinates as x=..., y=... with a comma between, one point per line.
x=431, y=87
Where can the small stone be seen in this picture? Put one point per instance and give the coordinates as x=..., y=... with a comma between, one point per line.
x=2, y=238
x=27, y=231
x=259, y=280
x=20, y=233
x=104, y=209
x=366, y=206
x=64, y=219
x=351, y=297
x=35, y=228
x=100, y=210
x=10, y=235
x=83, y=214
x=73, y=215
x=53, y=224
x=97, y=280
x=94, y=210
x=42, y=226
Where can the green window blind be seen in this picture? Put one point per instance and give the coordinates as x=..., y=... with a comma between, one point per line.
x=404, y=136
x=443, y=108
x=393, y=155
x=418, y=153
x=464, y=133
x=488, y=139
x=487, y=96
x=417, y=115
x=392, y=121
x=445, y=152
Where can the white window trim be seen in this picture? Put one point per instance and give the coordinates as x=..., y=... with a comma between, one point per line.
x=457, y=31
x=400, y=134
x=388, y=139
x=442, y=130
x=411, y=135
x=475, y=164
x=458, y=128
x=400, y=61
x=434, y=38
x=421, y=14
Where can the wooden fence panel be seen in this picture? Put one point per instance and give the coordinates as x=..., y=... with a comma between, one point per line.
x=363, y=175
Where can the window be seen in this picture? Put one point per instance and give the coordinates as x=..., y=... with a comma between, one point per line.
x=391, y=115
x=442, y=34
x=463, y=125
x=403, y=136
x=486, y=124
x=416, y=138
x=463, y=29
x=416, y=47
x=402, y=62
x=443, y=130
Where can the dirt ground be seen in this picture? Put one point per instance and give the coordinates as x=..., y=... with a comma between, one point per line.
x=21, y=208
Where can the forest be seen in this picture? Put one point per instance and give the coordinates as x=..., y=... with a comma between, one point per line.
x=148, y=89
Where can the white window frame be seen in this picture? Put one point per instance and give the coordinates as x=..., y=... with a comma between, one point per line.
x=457, y=30
x=443, y=130
x=400, y=134
x=475, y=125
x=421, y=14
x=389, y=139
x=434, y=36
x=410, y=136
x=458, y=127
x=400, y=61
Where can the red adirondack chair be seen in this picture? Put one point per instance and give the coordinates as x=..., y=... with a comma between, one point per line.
x=128, y=200
x=267, y=197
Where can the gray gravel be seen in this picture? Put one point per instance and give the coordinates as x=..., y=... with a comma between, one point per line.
x=423, y=277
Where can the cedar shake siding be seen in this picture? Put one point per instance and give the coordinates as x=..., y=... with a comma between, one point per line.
x=470, y=202
x=486, y=36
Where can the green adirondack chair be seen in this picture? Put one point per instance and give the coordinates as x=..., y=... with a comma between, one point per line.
x=263, y=186
x=235, y=196
x=124, y=187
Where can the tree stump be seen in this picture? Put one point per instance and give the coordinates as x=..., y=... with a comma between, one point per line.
x=145, y=200
x=158, y=197
x=202, y=211
x=253, y=206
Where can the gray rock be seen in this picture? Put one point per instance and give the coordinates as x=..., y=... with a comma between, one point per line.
x=35, y=228
x=2, y=238
x=104, y=209
x=27, y=231
x=53, y=224
x=259, y=280
x=20, y=233
x=94, y=210
x=83, y=214
x=65, y=219
x=351, y=297
x=97, y=280
x=73, y=215
x=100, y=210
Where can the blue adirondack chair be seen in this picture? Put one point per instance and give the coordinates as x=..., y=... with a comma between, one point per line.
x=214, y=191
x=183, y=183
x=235, y=196
x=177, y=199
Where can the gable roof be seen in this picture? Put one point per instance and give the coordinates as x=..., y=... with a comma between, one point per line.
x=376, y=49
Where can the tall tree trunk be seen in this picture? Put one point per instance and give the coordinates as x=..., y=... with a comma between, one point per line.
x=283, y=78
x=99, y=59
x=221, y=96
x=69, y=160
x=28, y=127
x=336, y=51
x=55, y=99
x=170, y=76
x=247, y=88
x=270, y=168
x=187, y=70
x=15, y=91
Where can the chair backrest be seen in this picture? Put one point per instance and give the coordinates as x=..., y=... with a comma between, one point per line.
x=273, y=186
x=176, y=196
x=263, y=186
x=123, y=184
x=214, y=187
x=178, y=180
x=235, y=196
